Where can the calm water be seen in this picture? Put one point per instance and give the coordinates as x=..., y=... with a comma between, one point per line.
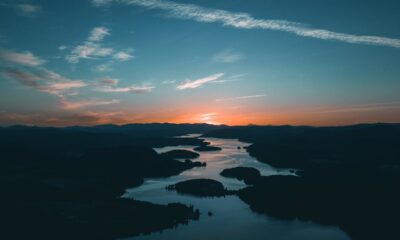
x=232, y=219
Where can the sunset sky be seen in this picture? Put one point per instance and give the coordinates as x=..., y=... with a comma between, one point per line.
x=84, y=62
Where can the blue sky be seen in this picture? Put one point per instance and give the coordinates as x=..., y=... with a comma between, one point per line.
x=222, y=61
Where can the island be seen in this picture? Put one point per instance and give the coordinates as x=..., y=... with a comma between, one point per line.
x=200, y=188
x=207, y=148
x=247, y=174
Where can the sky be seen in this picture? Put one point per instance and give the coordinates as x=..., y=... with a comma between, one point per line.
x=235, y=62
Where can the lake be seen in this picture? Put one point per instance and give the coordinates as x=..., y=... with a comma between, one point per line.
x=231, y=218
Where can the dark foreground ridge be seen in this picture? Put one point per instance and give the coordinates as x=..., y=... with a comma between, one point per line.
x=66, y=183
x=350, y=176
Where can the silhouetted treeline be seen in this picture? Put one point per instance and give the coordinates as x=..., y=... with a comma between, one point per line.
x=350, y=176
x=66, y=183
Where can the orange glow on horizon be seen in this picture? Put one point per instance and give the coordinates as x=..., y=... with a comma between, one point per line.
x=216, y=115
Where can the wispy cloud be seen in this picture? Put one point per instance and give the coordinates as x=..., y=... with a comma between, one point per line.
x=23, y=9
x=50, y=82
x=67, y=104
x=44, y=80
x=123, y=55
x=62, y=47
x=120, y=56
x=99, y=3
x=26, y=69
x=131, y=89
x=98, y=33
x=168, y=81
x=234, y=78
x=240, y=98
x=28, y=9
x=227, y=56
x=107, y=81
x=22, y=58
x=24, y=77
x=207, y=118
x=246, y=21
x=106, y=67
x=109, y=85
x=190, y=84
x=362, y=107
x=88, y=50
x=61, y=86
x=62, y=119
x=92, y=48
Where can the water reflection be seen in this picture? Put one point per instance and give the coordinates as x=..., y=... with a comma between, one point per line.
x=231, y=219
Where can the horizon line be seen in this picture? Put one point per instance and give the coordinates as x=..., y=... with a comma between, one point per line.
x=226, y=125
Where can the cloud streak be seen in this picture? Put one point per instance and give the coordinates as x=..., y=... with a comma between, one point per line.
x=99, y=3
x=109, y=85
x=234, y=78
x=207, y=118
x=24, y=9
x=189, y=84
x=106, y=67
x=91, y=48
x=240, y=98
x=123, y=56
x=363, y=107
x=28, y=9
x=24, y=68
x=70, y=105
x=44, y=80
x=109, y=81
x=62, y=119
x=22, y=58
x=98, y=33
x=131, y=89
x=227, y=57
x=246, y=21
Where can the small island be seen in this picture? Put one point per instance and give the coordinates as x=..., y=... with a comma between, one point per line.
x=200, y=188
x=207, y=148
x=247, y=174
x=195, y=164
